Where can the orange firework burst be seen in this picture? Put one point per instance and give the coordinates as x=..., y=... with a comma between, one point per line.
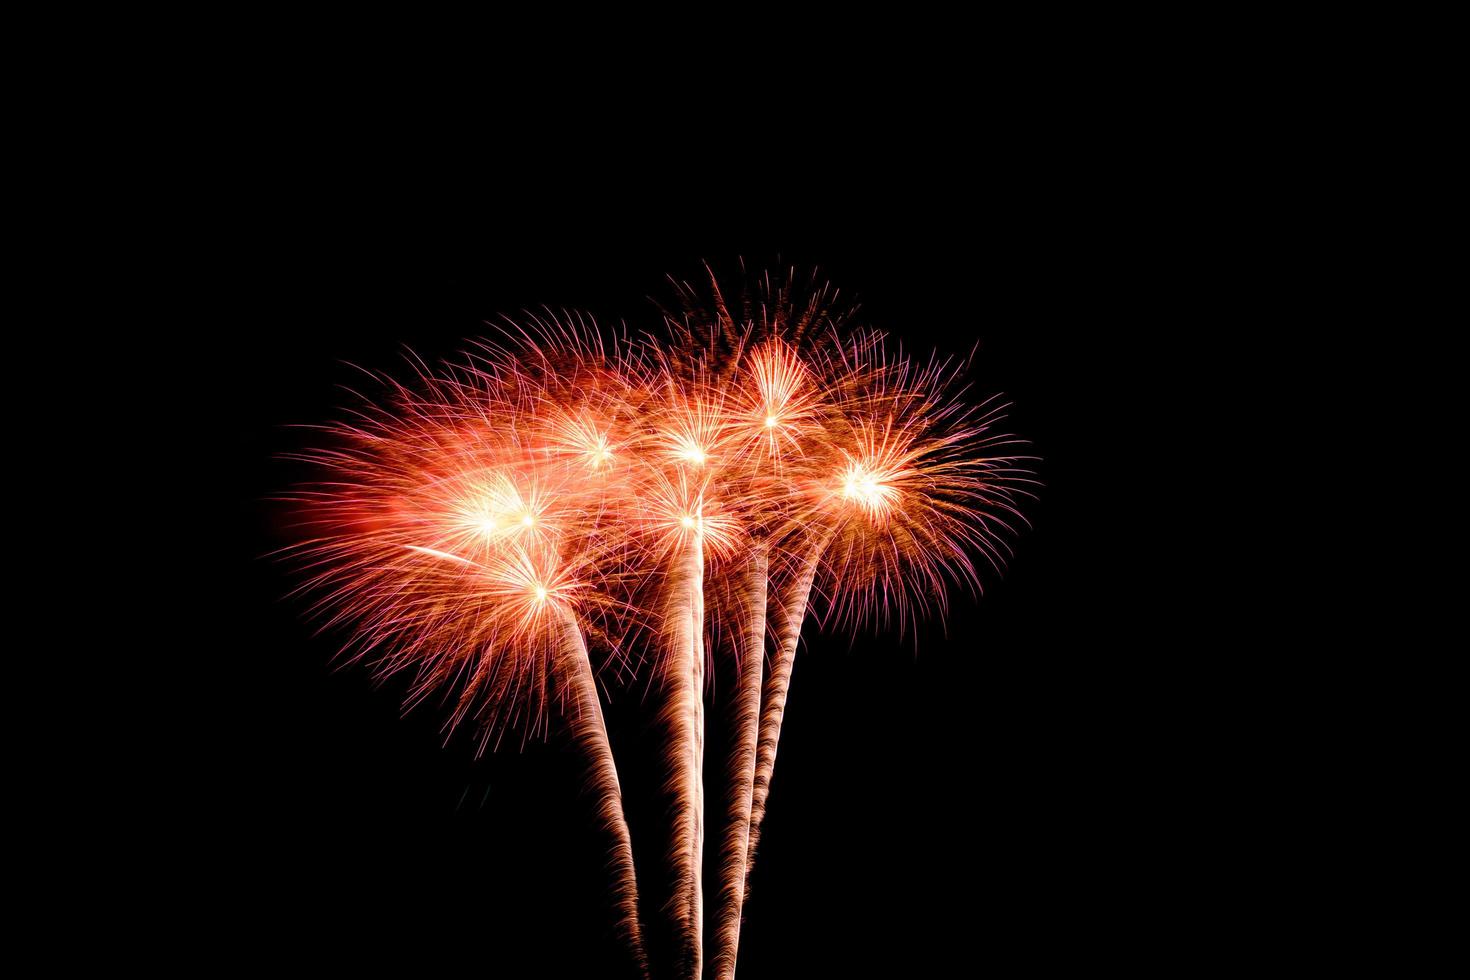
x=914, y=484
x=474, y=533
x=559, y=488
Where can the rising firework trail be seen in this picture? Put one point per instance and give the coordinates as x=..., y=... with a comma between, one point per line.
x=787, y=611
x=682, y=720
x=748, y=581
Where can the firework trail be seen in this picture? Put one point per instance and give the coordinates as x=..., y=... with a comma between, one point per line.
x=787, y=611
x=682, y=721
x=750, y=586
x=583, y=713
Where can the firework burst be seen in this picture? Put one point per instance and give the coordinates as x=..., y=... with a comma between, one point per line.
x=662, y=501
x=471, y=531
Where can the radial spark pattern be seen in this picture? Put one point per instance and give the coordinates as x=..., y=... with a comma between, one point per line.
x=562, y=489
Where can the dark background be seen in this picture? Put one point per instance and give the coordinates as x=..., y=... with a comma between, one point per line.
x=985, y=796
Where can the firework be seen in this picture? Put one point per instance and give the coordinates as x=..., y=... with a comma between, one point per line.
x=906, y=489
x=559, y=490
x=470, y=531
x=775, y=426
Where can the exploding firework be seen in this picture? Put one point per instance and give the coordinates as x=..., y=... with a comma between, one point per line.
x=910, y=482
x=471, y=530
x=663, y=502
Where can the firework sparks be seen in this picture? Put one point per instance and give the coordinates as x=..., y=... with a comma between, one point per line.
x=561, y=489
x=479, y=559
